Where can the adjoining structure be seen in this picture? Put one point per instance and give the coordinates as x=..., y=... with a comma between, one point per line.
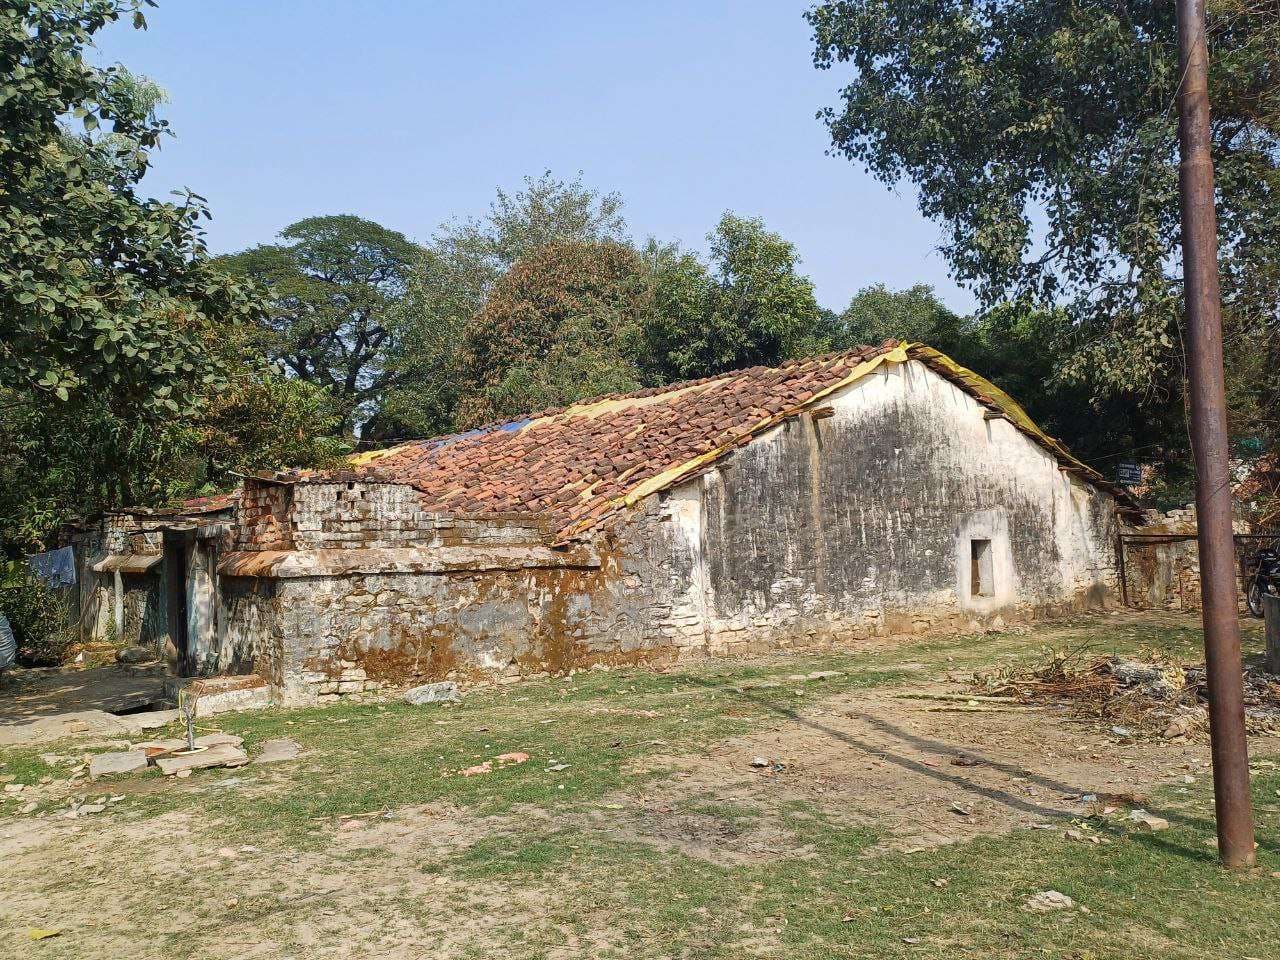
x=148, y=578
x=884, y=490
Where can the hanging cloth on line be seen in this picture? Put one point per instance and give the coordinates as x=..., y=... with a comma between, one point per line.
x=55, y=567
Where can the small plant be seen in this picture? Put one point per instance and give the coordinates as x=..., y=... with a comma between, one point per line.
x=40, y=620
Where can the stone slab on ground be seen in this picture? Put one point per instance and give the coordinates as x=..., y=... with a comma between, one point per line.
x=170, y=744
x=222, y=755
x=280, y=749
x=123, y=761
x=444, y=692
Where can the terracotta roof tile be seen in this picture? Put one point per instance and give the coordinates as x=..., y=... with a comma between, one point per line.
x=578, y=466
x=578, y=463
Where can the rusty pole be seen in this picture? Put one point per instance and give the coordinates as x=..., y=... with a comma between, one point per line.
x=1219, y=605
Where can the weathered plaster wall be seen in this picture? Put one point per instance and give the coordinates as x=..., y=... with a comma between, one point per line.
x=859, y=522
x=251, y=626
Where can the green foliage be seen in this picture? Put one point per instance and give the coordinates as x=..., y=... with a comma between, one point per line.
x=544, y=211
x=449, y=286
x=335, y=284
x=264, y=421
x=561, y=325
x=752, y=306
x=60, y=461
x=876, y=314
x=40, y=620
x=99, y=287
x=1043, y=136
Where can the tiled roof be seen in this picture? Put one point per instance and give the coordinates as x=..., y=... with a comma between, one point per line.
x=579, y=466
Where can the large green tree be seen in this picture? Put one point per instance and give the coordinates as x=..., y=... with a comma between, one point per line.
x=1043, y=135
x=102, y=290
x=562, y=324
x=451, y=282
x=876, y=314
x=752, y=306
x=335, y=284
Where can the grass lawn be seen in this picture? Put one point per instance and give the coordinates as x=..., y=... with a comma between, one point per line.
x=529, y=860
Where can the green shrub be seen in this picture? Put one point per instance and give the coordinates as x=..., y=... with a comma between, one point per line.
x=40, y=620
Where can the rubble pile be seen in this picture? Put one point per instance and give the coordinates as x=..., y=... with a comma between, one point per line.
x=1154, y=693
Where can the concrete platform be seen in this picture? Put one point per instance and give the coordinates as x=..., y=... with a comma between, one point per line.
x=39, y=705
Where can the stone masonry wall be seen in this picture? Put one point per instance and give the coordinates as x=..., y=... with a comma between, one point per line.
x=330, y=636
x=1164, y=574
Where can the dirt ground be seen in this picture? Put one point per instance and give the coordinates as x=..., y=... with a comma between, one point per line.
x=926, y=772
x=921, y=771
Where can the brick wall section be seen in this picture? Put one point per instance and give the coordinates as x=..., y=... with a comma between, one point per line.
x=264, y=520
x=355, y=515
x=1166, y=575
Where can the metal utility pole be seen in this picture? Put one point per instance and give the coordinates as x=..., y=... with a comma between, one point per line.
x=1209, y=441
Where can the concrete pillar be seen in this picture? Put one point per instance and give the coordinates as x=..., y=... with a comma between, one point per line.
x=119, y=605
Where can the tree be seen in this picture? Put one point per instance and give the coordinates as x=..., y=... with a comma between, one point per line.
x=100, y=288
x=334, y=285
x=876, y=314
x=63, y=460
x=562, y=324
x=264, y=421
x=546, y=210
x=450, y=284
x=1042, y=135
x=751, y=307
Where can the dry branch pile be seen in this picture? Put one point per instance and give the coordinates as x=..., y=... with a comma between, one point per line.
x=1153, y=693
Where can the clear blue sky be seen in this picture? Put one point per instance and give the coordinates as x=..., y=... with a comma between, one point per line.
x=411, y=113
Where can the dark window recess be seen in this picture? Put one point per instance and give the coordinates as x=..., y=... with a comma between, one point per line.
x=981, y=572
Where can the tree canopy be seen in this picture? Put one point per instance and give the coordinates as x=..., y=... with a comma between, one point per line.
x=562, y=324
x=1043, y=136
x=333, y=285
x=876, y=314
x=101, y=289
x=751, y=306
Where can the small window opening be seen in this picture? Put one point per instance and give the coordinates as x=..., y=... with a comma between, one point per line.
x=981, y=574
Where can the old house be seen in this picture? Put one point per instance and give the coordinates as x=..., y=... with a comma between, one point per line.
x=880, y=491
